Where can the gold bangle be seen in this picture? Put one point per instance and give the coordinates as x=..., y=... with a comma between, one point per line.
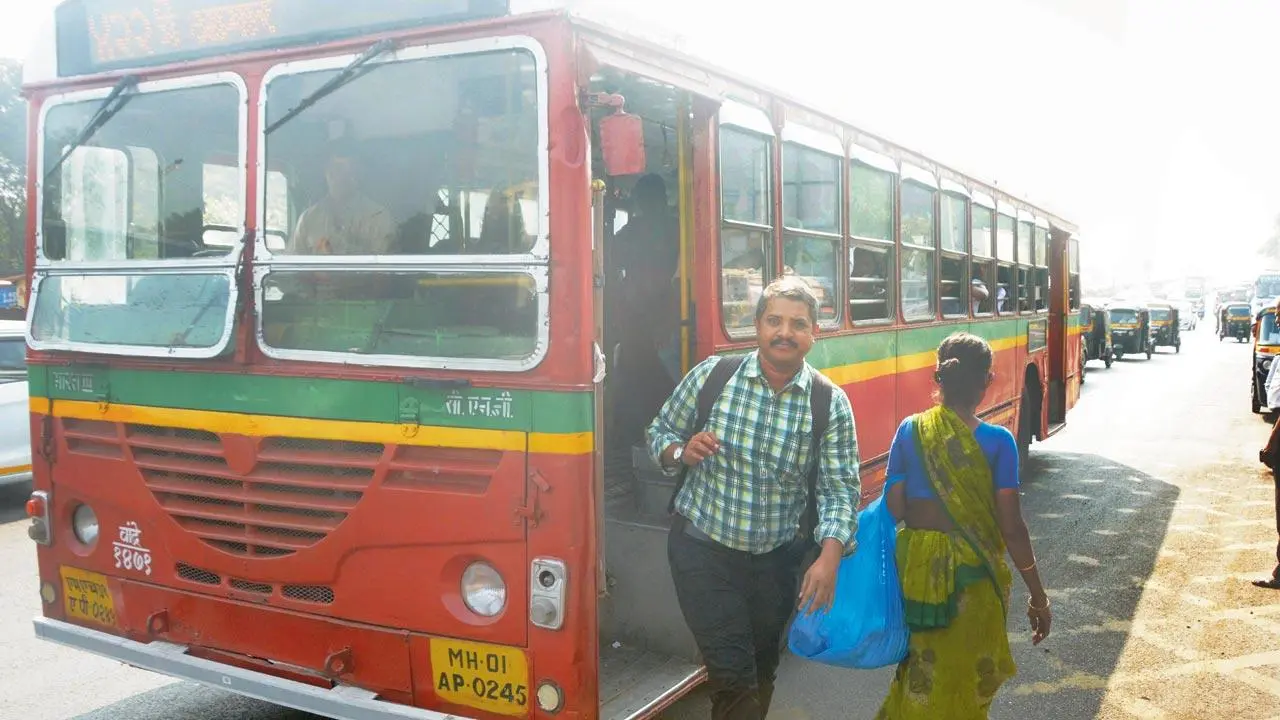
x=1033, y=564
x=1047, y=604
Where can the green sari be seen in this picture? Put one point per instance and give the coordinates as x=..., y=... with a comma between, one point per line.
x=955, y=586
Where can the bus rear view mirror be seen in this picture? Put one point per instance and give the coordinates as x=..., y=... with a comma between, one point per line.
x=622, y=144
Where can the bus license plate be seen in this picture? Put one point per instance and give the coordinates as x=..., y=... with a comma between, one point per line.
x=87, y=596
x=489, y=677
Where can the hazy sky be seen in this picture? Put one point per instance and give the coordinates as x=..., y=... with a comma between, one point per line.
x=1150, y=123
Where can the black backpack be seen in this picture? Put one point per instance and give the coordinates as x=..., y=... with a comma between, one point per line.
x=819, y=408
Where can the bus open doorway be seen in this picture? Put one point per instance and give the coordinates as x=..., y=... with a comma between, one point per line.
x=648, y=658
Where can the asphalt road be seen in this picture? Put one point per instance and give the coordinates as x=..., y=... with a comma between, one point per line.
x=1150, y=515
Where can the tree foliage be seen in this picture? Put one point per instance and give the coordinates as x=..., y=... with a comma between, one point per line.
x=13, y=167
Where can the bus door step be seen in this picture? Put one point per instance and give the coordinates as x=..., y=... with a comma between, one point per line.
x=637, y=684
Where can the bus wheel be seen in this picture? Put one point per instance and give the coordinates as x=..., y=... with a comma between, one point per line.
x=1025, y=409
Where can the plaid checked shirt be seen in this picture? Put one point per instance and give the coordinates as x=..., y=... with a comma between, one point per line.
x=751, y=494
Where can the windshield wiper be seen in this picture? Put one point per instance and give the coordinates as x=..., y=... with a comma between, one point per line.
x=354, y=70
x=115, y=101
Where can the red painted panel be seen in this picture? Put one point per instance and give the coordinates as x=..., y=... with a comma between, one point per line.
x=876, y=424
x=380, y=657
x=566, y=531
x=395, y=560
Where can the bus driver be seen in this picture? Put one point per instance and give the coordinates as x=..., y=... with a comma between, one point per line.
x=345, y=221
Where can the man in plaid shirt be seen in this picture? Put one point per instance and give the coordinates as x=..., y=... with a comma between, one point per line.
x=735, y=547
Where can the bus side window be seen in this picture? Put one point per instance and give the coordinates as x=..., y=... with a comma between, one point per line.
x=870, y=282
x=1024, y=290
x=746, y=231
x=811, y=208
x=1006, y=297
x=917, y=224
x=954, y=285
x=982, y=225
x=871, y=249
x=1042, y=268
x=1073, y=270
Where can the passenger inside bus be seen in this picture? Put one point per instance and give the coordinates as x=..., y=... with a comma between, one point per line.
x=646, y=316
x=345, y=221
x=979, y=293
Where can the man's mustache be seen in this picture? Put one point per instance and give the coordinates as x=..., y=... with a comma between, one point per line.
x=780, y=342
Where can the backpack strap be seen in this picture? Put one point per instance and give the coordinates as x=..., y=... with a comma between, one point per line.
x=708, y=394
x=820, y=395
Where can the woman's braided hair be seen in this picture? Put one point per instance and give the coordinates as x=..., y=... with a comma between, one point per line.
x=964, y=361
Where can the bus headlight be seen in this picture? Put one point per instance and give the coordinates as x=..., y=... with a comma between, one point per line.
x=84, y=523
x=483, y=589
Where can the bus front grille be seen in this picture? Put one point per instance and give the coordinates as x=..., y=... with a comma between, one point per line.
x=276, y=497
x=314, y=594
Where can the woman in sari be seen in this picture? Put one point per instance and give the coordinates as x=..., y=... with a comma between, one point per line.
x=953, y=479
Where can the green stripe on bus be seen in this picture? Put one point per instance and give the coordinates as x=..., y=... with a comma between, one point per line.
x=391, y=402
x=321, y=398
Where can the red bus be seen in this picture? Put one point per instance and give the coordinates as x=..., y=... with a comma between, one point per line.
x=319, y=341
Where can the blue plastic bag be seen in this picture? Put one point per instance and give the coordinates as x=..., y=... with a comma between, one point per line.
x=866, y=627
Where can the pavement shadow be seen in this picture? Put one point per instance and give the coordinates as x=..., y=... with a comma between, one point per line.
x=1098, y=527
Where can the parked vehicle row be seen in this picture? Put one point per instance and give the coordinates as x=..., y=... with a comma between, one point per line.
x=1111, y=329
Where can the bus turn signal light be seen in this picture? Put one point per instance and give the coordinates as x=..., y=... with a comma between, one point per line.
x=38, y=510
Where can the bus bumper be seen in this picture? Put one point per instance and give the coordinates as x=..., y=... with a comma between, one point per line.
x=343, y=702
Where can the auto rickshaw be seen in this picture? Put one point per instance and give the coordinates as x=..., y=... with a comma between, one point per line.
x=1130, y=330
x=1234, y=320
x=1095, y=334
x=1266, y=349
x=1164, y=326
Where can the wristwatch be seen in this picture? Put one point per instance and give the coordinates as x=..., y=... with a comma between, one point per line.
x=675, y=460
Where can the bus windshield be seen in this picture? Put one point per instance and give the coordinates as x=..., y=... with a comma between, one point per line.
x=1268, y=331
x=158, y=185
x=1268, y=286
x=429, y=158
x=1124, y=316
x=1239, y=311
x=1159, y=314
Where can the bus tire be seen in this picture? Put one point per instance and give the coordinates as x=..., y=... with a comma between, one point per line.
x=1025, y=410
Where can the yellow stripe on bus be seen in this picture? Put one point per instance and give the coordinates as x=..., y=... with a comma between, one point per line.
x=426, y=435
x=14, y=470
x=313, y=429
x=872, y=369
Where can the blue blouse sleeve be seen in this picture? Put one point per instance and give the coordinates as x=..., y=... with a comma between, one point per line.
x=1006, y=460
x=896, y=471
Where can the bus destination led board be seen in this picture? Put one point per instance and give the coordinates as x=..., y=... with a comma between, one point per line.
x=98, y=35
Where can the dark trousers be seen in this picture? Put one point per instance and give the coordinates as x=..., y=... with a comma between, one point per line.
x=737, y=605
